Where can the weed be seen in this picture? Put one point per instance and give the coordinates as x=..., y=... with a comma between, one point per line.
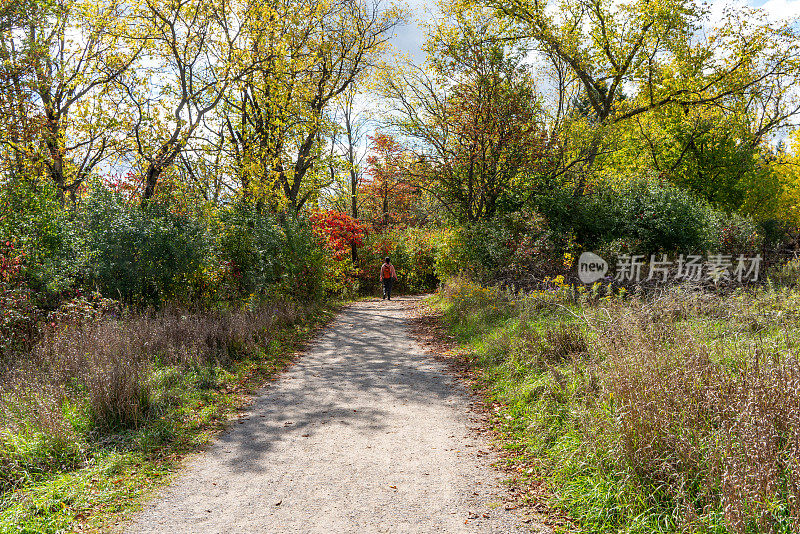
x=676, y=411
x=106, y=404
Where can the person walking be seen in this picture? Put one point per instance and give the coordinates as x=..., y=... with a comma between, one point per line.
x=388, y=278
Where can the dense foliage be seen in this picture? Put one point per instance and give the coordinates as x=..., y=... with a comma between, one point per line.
x=219, y=158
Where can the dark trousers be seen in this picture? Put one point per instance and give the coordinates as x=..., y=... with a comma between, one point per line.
x=387, y=288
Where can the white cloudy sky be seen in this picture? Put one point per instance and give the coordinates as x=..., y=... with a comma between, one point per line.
x=410, y=38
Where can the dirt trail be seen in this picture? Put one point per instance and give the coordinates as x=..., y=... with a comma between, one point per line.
x=365, y=433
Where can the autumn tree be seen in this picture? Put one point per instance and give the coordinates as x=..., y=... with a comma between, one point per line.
x=61, y=59
x=471, y=117
x=658, y=50
x=387, y=192
x=308, y=55
x=195, y=55
x=340, y=232
x=789, y=174
x=711, y=153
x=352, y=135
x=18, y=116
x=346, y=158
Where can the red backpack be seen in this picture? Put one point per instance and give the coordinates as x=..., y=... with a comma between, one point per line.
x=386, y=271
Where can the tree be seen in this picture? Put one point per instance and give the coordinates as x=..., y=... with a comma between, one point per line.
x=60, y=60
x=346, y=154
x=353, y=135
x=788, y=171
x=713, y=154
x=387, y=186
x=471, y=117
x=308, y=55
x=339, y=232
x=657, y=49
x=194, y=57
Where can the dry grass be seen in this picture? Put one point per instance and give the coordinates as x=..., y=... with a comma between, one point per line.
x=97, y=374
x=685, y=404
x=760, y=464
x=704, y=426
x=106, y=403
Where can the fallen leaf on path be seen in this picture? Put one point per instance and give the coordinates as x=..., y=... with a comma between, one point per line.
x=278, y=503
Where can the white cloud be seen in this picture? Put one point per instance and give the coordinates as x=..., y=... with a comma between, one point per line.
x=778, y=10
x=775, y=10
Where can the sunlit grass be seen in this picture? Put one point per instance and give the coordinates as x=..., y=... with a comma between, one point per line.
x=92, y=477
x=661, y=413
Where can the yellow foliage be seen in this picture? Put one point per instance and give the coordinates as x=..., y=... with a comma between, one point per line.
x=789, y=174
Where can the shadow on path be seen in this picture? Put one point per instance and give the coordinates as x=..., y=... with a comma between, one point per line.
x=364, y=433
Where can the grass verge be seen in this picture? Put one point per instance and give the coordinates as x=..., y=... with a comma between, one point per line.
x=677, y=412
x=102, y=413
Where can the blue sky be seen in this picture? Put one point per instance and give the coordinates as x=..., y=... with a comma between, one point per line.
x=410, y=38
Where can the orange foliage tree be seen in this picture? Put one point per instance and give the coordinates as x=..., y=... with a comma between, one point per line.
x=387, y=194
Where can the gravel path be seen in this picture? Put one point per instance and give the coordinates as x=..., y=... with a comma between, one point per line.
x=365, y=433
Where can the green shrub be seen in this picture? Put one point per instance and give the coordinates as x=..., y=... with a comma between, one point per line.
x=478, y=250
x=732, y=234
x=18, y=314
x=308, y=271
x=141, y=255
x=507, y=247
x=645, y=216
x=50, y=236
x=250, y=245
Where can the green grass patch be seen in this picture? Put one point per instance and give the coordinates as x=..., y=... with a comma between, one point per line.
x=91, y=476
x=677, y=412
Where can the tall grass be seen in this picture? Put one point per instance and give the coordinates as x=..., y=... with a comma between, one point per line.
x=672, y=412
x=88, y=379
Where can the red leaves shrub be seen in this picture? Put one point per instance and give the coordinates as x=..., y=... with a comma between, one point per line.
x=338, y=231
x=127, y=187
x=10, y=264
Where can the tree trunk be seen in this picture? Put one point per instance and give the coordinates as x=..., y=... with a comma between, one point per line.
x=151, y=179
x=353, y=205
x=580, y=186
x=56, y=166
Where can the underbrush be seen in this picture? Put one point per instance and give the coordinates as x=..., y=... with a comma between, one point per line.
x=106, y=405
x=676, y=412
